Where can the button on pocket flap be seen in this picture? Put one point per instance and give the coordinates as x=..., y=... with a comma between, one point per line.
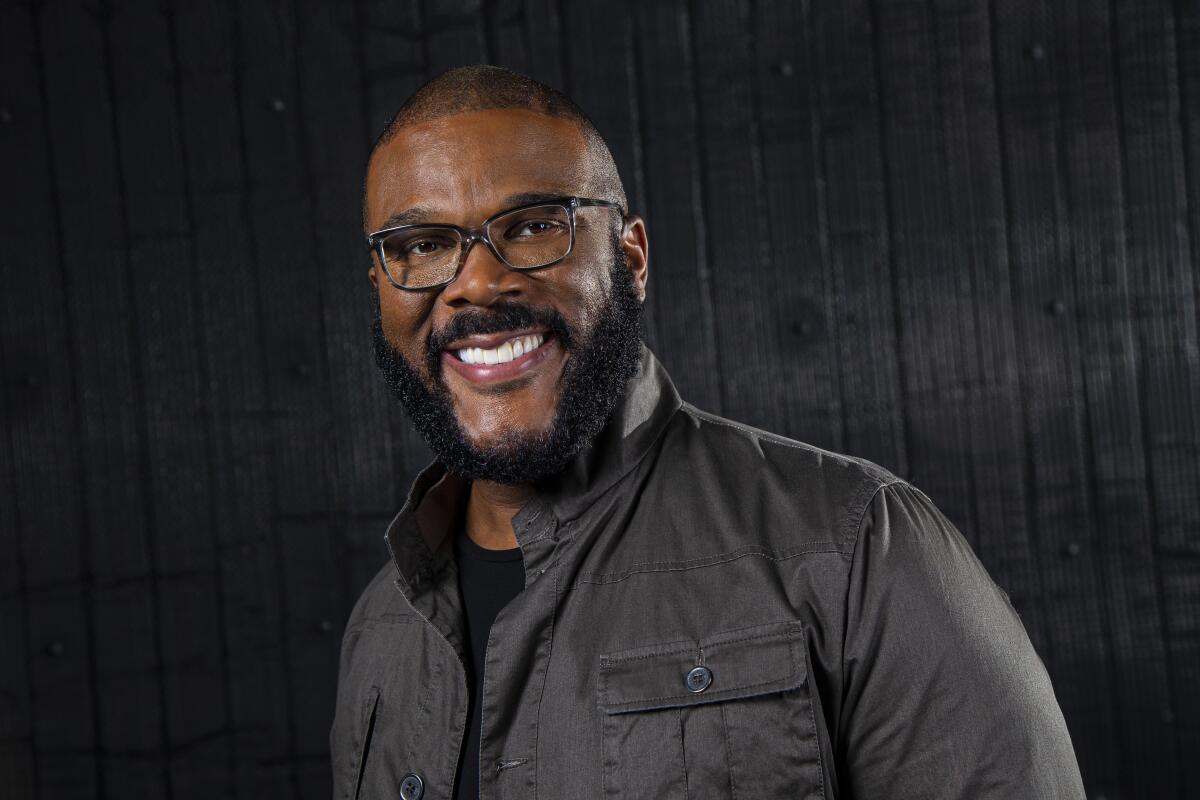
x=727, y=665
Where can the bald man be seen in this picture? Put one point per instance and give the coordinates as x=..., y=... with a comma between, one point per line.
x=599, y=590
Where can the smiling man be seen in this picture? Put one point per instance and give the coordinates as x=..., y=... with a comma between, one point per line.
x=598, y=589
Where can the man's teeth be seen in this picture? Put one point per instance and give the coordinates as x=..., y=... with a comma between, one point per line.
x=513, y=348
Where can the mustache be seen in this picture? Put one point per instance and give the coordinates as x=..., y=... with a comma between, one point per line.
x=503, y=315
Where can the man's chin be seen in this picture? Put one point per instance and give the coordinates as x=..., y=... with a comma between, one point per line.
x=528, y=389
x=501, y=443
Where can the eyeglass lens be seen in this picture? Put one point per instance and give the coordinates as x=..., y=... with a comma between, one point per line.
x=525, y=239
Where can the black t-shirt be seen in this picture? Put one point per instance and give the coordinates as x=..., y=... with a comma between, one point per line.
x=488, y=579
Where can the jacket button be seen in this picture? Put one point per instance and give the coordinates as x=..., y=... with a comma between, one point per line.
x=698, y=679
x=411, y=787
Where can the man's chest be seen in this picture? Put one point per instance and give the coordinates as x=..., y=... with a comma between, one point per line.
x=679, y=678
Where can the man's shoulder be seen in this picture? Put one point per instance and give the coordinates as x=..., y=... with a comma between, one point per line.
x=739, y=447
x=778, y=448
x=794, y=484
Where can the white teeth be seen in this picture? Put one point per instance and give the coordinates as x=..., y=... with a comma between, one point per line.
x=513, y=348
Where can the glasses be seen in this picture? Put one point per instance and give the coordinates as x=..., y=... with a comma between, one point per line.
x=531, y=236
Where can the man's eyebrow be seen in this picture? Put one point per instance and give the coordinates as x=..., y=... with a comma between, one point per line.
x=407, y=217
x=525, y=198
x=416, y=214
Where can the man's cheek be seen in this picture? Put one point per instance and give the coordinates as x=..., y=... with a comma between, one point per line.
x=412, y=344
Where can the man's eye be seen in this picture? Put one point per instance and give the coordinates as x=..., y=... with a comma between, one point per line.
x=423, y=247
x=534, y=227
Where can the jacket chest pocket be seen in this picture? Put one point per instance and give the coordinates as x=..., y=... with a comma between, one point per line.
x=726, y=716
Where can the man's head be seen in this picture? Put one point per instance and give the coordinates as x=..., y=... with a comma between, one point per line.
x=470, y=144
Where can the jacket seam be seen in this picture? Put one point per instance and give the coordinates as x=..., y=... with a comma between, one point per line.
x=862, y=513
x=545, y=677
x=775, y=438
x=728, y=754
x=812, y=720
x=857, y=528
x=682, y=752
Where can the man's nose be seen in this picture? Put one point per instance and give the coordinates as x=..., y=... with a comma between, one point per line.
x=482, y=280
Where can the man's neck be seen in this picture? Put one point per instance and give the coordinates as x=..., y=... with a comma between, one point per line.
x=490, y=509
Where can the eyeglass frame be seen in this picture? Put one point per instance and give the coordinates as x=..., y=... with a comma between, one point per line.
x=469, y=236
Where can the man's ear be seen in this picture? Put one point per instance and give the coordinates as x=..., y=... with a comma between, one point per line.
x=374, y=276
x=637, y=252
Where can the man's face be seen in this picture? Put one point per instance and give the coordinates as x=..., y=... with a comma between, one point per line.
x=510, y=421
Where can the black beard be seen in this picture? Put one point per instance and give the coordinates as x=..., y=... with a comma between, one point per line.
x=599, y=365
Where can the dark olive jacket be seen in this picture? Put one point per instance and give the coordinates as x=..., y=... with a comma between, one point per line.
x=709, y=611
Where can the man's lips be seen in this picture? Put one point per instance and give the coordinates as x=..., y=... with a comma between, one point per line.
x=483, y=372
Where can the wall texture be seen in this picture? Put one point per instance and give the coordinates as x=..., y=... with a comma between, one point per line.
x=960, y=238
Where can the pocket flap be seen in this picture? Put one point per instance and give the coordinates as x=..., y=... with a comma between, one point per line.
x=741, y=663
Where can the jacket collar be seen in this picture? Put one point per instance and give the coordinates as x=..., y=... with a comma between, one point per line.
x=420, y=536
x=649, y=402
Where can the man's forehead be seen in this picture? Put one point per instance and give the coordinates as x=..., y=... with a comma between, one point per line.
x=463, y=163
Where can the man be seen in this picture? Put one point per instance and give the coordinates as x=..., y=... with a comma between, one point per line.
x=599, y=590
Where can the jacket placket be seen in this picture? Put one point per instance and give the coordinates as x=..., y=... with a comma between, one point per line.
x=515, y=665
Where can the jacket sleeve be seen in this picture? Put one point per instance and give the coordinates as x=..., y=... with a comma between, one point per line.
x=944, y=694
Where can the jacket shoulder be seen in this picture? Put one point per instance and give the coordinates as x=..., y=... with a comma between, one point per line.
x=784, y=490
x=725, y=432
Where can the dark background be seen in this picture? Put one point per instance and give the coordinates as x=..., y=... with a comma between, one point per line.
x=956, y=237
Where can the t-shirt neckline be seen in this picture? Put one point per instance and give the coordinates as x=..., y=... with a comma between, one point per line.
x=468, y=548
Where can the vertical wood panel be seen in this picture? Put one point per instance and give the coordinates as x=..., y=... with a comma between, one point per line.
x=1178, y=553
x=78, y=703
x=680, y=320
x=335, y=135
x=507, y=36
x=839, y=56
x=330, y=117
x=226, y=282
x=932, y=290
x=393, y=56
x=17, y=764
x=989, y=399
x=162, y=268
x=283, y=222
x=1162, y=286
x=1029, y=58
x=796, y=258
x=453, y=34
x=601, y=82
x=747, y=345
x=23, y=158
x=546, y=42
x=1096, y=190
x=841, y=59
